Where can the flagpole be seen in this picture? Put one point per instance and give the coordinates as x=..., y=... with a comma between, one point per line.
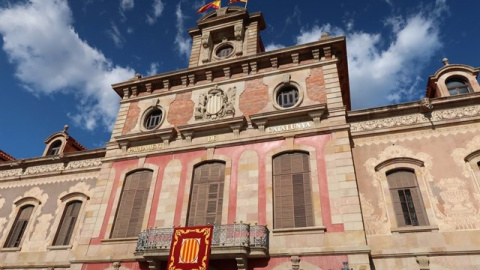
x=246, y=3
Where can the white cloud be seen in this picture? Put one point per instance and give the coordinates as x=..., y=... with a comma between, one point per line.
x=50, y=57
x=116, y=36
x=153, y=69
x=127, y=4
x=183, y=43
x=384, y=69
x=273, y=46
x=157, y=7
x=316, y=32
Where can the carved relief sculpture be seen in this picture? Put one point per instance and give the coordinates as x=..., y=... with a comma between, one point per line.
x=216, y=104
x=459, y=211
x=207, y=47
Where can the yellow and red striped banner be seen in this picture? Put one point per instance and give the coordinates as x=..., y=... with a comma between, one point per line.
x=190, y=248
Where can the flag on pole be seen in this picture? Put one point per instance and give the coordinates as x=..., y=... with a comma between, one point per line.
x=214, y=4
x=236, y=1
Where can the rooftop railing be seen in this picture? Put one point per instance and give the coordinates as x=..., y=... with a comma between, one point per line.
x=230, y=235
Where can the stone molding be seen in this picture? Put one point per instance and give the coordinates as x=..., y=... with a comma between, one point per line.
x=48, y=168
x=389, y=138
x=406, y=120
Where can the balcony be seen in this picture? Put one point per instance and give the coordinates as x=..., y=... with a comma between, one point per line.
x=238, y=241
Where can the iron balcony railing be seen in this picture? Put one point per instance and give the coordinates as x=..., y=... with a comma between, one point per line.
x=230, y=235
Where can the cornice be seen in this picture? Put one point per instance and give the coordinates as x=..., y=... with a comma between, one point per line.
x=425, y=113
x=320, y=51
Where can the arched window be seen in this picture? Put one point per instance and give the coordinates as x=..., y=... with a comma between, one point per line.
x=55, y=148
x=67, y=224
x=19, y=226
x=407, y=201
x=206, y=198
x=457, y=86
x=292, y=199
x=131, y=209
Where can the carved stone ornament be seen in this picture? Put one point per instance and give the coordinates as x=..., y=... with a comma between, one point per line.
x=44, y=168
x=460, y=154
x=295, y=262
x=10, y=173
x=216, y=104
x=84, y=163
x=459, y=212
x=416, y=118
x=423, y=262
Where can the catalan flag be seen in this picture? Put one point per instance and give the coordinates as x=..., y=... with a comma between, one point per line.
x=214, y=4
x=236, y=1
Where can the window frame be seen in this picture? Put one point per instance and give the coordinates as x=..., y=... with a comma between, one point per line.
x=146, y=113
x=458, y=79
x=220, y=199
x=276, y=176
x=18, y=205
x=414, y=200
x=419, y=169
x=118, y=201
x=63, y=201
x=285, y=85
x=55, y=147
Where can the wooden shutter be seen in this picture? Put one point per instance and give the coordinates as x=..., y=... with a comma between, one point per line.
x=19, y=226
x=206, y=198
x=133, y=200
x=67, y=224
x=402, y=183
x=293, y=205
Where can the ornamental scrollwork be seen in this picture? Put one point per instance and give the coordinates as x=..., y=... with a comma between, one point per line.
x=216, y=104
x=44, y=168
x=415, y=119
x=84, y=163
x=10, y=173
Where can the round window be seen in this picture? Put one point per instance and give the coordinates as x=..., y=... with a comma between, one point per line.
x=225, y=50
x=287, y=97
x=153, y=119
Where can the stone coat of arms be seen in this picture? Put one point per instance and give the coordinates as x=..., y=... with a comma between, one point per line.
x=216, y=104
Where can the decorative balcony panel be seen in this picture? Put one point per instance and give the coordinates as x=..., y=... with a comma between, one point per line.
x=231, y=235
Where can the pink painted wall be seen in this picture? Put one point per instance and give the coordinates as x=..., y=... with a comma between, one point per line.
x=262, y=149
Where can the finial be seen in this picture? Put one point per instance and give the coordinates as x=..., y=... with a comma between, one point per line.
x=445, y=61
x=137, y=76
x=325, y=35
x=65, y=128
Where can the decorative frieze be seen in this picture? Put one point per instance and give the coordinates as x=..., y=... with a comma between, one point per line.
x=10, y=173
x=44, y=168
x=84, y=163
x=76, y=164
x=415, y=119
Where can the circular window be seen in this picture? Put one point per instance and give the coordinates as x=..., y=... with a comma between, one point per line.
x=224, y=51
x=287, y=96
x=153, y=119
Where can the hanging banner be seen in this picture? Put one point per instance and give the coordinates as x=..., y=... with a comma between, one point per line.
x=190, y=248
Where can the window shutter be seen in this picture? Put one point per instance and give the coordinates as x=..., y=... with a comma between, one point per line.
x=405, y=192
x=19, y=226
x=133, y=200
x=206, y=199
x=419, y=207
x=397, y=208
x=67, y=223
x=292, y=191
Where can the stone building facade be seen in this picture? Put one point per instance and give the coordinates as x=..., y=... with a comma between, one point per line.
x=262, y=145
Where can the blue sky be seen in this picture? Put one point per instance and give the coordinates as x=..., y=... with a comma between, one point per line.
x=59, y=57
